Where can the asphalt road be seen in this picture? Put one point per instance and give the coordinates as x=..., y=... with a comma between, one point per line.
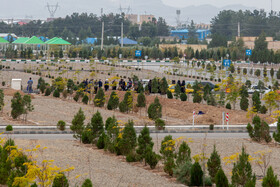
x=154, y=135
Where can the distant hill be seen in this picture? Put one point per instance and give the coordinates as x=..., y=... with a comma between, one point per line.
x=37, y=9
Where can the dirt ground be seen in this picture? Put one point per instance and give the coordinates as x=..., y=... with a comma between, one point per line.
x=107, y=169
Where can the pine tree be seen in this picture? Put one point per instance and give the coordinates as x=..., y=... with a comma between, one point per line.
x=127, y=103
x=221, y=179
x=163, y=86
x=242, y=171
x=144, y=141
x=256, y=101
x=244, y=103
x=270, y=180
x=17, y=106
x=1, y=100
x=196, y=175
x=99, y=98
x=276, y=135
x=214, y=164
x=113, y=102
x=272, y=73
x=141, y=100
x=78, y=124
x=87, y=183
x=155, y=85
x=155, y=110
x=184, y=154
x=129, y=139
x=96, y=125
x=177, y=91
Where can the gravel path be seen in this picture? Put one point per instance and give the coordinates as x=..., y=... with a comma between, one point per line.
x=102, y=168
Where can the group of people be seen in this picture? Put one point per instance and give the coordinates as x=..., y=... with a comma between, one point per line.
x=97, y=84
x=181, y=84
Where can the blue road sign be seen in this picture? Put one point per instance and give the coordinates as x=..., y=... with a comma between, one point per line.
x=248, y=52
x=227, y=62
x=138, y=53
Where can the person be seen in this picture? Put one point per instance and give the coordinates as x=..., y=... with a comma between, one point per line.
x=183, y=87
x=106, y=85
x=120, y=84
x=129, y=84
x=95, y=86
x=100, y=83
x=150, y=86
x=29, y=85
x=114, y=85
x=123, y=85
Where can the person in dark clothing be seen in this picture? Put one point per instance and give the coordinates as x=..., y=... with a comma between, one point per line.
x=179, y=82
x=106, y=85
x=183, y=87
x=100, y=84
x=150, y=86
x=95, y=86
x=120, y=84
x=123, y=86
x=114, y=85
x=129, y=84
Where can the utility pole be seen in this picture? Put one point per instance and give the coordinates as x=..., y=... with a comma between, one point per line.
x=102, y=35
x=238, y=29
x=122, y=35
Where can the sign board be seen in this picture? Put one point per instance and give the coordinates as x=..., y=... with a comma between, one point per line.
x=248, y=52
x=16, y=84
x=138, y=53
x=227, y=63
x=120, y=56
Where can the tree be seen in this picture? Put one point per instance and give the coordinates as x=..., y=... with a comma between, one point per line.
x=96, y=126
x=196, y=175
x=276, y=135
x=141, y=100
x=258, y=72
x=278, y=74
x=127, y=103
x=192, y=35
x=113, y=102
x=27, y=106
x=272, y=72
x=221, y=179
x=17, y=105
x=270, y=100
x=256, y=101
x=155, y=110
x=184, y=154
x=163, y=86
x=151, y=157
x=78, y=124
x=155, y=85
x=270, y=180
x=260, y=131
x=231, y=68
x=1, y=100
x=87, y=183
x=242, y=173
x=99, y=98
x=177, y=91
x=260, y=52
x=214, y=164
x=144, y=141
x=60, y=180
x=128, y=141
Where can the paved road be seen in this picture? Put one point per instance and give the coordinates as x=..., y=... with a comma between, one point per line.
x=154, y=135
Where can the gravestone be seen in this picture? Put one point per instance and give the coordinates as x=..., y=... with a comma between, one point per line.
x=16, y=84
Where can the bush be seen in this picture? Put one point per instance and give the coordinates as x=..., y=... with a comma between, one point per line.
x=184, y=154
x=101, y=141
x=196, y=175
x=159, y=124
x=78, y=124
x=86, y=137
x=60, y=180
x=155, y=110
x=96, y=126
x=113, y=102
x=183, y=96
x=9, y=128
x=76, y=97
x=131, y=157
x=151, y=158
x=61, y=125
x=56, y=93
x=263, y=109
x=169, y=95
x=221, y=179
x=87, y=183
x=270, y=179
x=197, y=98
x=64, y=94
x=260, y=131
x=48, y=92
x=85, y=99
x=276, y=135
x=129, y=139
x=183, y=173
x=141, y=100
x=228, y=106
x=17, y=105
x=144, y=141
x=169, y=165
x=208, y=181
x=211, y=127
x=127, y=103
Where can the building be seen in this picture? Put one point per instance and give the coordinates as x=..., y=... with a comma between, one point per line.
x=249, y=43
x=183, y=34
x=139, y=19
x=203, y=26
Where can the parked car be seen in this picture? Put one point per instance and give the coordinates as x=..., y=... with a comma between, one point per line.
x=263, y=90
x=171, y=88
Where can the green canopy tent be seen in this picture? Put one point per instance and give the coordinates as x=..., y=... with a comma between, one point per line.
x=3, y=44
x=63, y=44
x=19, y=43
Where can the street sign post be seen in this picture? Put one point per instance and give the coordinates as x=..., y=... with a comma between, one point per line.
x=223, y=120
x=227, y=63
x=227, y=119
x=138, y=53
x=248, y=52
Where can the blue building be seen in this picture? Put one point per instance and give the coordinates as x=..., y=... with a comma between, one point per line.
x=201, y=34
